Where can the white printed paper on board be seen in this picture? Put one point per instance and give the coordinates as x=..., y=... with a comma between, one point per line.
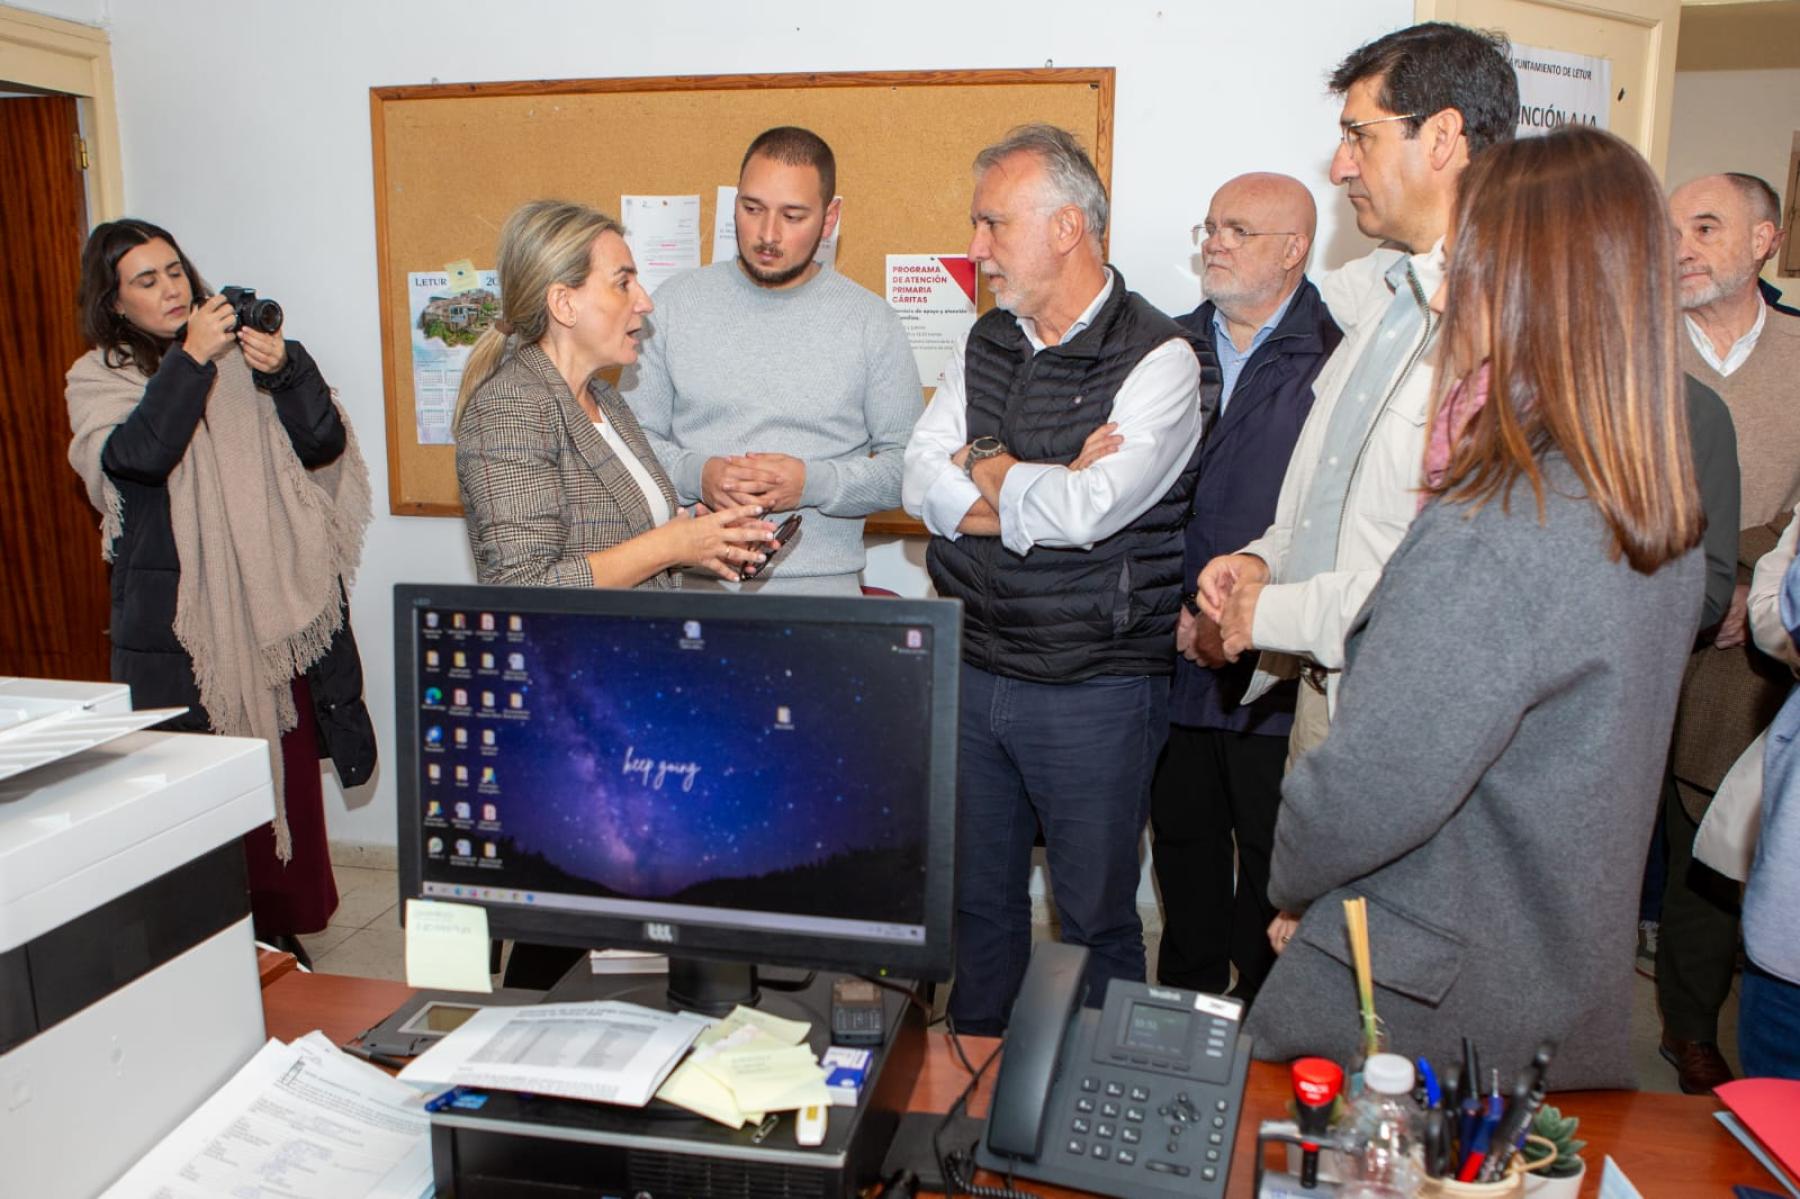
x=934, y=297
x=664, y=235
x=445, y=322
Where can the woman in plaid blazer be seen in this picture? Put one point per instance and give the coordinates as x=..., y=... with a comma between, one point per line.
x=559, y=486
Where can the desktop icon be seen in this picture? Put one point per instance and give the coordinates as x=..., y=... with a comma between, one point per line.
x=515, y=661
x=487, y=622
x=431, y=659
x=462, y=811
x=490, y=812
x=487, y=699
x=460, y=698
x=516, y=623
x=434, y=695
x=434, y=735
x=487, y=775
x=434, y=772
x=435, y=847
x=462, y=776
x=487, y=736
x=915, y=639
x=458, y=621
x=434, y=810
x=459, y=660
x=487, y=661
x=462, y=847
x=462, y=736
x=691, y=630
x=515, y=700
x=431, y=620
x=784, y=715
x=489, y=850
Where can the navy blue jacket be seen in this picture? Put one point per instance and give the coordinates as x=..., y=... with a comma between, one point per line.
x=1242, y=461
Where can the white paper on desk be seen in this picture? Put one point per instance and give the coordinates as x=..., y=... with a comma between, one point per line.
x=605, y=1052
x=664, y=235
x=298, y=1121
x=724, y=239
x=1614, y=1184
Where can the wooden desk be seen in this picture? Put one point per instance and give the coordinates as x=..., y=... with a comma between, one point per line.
x=1669, y=1145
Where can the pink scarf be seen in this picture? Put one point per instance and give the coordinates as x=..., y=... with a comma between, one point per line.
x=1453, y=416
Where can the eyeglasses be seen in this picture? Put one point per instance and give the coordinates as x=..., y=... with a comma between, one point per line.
x=1231, y=237
x=1354, y=138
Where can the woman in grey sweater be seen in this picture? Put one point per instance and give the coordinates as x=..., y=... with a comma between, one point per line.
x=1491, y=774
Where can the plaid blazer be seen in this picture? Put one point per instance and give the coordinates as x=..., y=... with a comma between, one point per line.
x=540, y=487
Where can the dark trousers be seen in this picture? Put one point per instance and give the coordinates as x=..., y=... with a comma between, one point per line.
x=1214, y=802
x=1074, y=759
x=1696, y=950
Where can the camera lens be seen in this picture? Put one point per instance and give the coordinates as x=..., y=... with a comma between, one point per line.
x=266, y=316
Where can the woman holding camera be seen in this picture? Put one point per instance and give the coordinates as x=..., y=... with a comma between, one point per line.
x=233, y=501
x=559, y=486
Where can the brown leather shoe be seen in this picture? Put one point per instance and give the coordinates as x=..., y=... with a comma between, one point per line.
x=1699, y=1065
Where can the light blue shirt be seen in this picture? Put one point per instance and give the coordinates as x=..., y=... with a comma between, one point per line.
x=1231, y=359
x=1773, y=889
x=1400, y=342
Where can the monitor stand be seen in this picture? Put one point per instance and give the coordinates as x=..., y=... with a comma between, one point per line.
x=522, y=1146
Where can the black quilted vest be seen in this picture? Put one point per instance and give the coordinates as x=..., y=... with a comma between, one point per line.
x=1064, y=615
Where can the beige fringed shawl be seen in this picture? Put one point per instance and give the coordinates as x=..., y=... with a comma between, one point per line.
x=262, y=543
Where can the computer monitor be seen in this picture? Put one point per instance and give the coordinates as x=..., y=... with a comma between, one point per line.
x=722, y=778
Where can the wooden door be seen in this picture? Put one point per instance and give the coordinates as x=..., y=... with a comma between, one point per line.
x=53, y=603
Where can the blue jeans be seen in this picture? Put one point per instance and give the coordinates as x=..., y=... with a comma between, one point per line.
x=1075, y=759
x=1768, y=1025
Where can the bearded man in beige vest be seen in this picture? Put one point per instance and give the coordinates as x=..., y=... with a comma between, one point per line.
x=1750, y=354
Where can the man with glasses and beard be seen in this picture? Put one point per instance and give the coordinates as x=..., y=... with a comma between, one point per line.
x=773, y=380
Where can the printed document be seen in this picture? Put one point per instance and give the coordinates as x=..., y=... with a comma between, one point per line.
x=606, y=1052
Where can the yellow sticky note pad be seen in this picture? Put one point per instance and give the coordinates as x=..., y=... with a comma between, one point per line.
x=788, y=1032
x=447, y=946
x=463, y=276
x=700, y=1092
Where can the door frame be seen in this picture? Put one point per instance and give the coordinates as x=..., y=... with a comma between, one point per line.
x=76, y=60
x=1662, y=18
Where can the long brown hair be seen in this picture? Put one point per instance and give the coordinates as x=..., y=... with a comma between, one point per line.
x=101, y=323
x=1562, y=276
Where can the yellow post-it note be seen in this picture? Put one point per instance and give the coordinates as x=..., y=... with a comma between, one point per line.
x=447, y=946
x=788, y=1032
x=699, y=1092
x=463, y=276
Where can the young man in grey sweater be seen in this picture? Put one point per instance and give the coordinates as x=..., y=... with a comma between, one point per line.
x=772, y=380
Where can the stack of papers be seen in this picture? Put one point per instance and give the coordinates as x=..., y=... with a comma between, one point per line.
x=606, y=1052
x=298, y=1121
x=745, y=1066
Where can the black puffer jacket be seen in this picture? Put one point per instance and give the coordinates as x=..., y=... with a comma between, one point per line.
x=139, y=457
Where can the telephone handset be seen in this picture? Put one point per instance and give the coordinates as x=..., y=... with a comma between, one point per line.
x=1139, y=1099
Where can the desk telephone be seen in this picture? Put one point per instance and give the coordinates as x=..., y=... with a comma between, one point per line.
x=1137, y=1100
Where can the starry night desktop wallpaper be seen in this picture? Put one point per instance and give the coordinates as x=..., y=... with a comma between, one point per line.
x=759, y=765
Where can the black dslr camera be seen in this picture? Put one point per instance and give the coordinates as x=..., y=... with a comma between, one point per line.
x=252, y=313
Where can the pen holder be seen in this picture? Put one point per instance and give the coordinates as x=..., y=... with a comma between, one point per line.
x=1537, y=1155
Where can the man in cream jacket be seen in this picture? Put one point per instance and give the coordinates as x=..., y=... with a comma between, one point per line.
x=1417, y=104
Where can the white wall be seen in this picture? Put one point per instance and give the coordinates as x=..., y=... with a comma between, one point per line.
x=88, y=12
x=1736, y=121
x=245, y=130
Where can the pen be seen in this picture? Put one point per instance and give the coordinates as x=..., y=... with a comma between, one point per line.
x=1522, y=1114
x=1429, y=1080
x=1483, y=1141
x=369, y=1055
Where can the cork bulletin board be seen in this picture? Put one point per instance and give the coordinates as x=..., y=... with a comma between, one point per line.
x=452, y=160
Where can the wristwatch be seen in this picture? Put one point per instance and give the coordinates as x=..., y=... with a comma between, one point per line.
x=981, y=449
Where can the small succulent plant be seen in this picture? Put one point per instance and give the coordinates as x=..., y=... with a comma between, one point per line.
x=1559, y=1130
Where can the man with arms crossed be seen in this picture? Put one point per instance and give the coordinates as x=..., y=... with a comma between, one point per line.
x=771, y=380
x=1218, y=785
x=1054, y=468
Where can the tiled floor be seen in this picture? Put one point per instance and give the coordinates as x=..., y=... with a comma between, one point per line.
x=365, y=939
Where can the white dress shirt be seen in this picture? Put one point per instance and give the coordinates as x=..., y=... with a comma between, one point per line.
x=1157, y=410
x=1740, y=349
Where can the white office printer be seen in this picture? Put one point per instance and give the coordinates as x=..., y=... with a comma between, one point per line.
x=128, y=979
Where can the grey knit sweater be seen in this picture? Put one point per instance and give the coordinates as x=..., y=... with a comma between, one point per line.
x=821, y=371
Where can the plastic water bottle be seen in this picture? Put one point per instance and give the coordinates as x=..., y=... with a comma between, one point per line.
x=1382, y=1133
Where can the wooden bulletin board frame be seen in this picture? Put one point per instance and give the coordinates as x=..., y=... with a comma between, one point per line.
x=452, y=160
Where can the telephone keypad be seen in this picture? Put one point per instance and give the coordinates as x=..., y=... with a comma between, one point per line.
x=1110, y=1110
x=1084, y=1105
